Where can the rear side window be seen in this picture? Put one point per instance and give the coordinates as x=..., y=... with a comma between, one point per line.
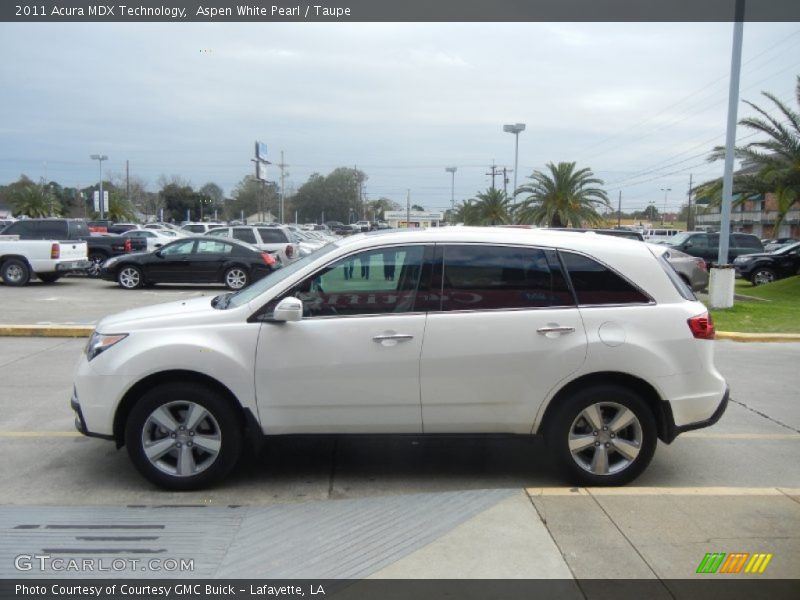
x=24, y=229
x=500, y=277
x=595, y=283
x=747, y=241
x=244, y=234
x=78, y=230
x=195, y=228
x=272, y=236
x=56, y=230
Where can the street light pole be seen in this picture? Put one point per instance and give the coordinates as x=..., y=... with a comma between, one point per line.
x=516, y=129
x=666, y=191
x=100, y=158
x=452, y=171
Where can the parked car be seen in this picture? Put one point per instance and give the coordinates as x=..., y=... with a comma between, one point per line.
x=191, y=260
x=766, y=267
x=101, y=246
x=120, y=228
x=772, y=245
x=153, y=238
x=363, y=226
x=277, y=240
x=48, y=260
x=706, y=245
x=200, y=228
x=592, y=342
x=693, y=270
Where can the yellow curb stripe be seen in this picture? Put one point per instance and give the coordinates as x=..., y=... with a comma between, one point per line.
x=68, y=331
x=655, y=491
x=736, y=336
x=38, y=434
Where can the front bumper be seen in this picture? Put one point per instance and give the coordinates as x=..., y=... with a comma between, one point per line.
x=671, y=431
x=80, y=422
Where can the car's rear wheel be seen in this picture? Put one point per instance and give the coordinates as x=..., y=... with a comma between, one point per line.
x=602, y=435
x=183, y=436
x=236, y=278
x=130, y=277
x=762, y=275
x=15, y=272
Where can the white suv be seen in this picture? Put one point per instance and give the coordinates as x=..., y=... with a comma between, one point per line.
x=593, y=342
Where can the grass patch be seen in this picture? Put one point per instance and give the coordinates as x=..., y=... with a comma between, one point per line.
x=780, y=315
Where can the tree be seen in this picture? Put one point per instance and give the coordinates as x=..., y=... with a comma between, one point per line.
x=467, y=212
x=377, y=208
x=491, y=207
x=771, y=165
x=180, y=202
x=564, y=197
x=251, y=196
x=119, y=209
x=337, y=195
x=33, y=201
x=417, y=207
x=214, y=198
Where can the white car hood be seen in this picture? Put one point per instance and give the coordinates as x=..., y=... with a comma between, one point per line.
x=180, y=313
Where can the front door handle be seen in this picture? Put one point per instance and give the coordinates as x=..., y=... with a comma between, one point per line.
x=554, y=329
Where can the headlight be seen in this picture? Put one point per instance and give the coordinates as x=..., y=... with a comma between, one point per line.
x=100, y=342
x=742, y=259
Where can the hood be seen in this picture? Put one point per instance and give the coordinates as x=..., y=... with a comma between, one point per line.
x=179, y=313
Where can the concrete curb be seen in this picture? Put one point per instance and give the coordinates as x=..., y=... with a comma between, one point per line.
x=77, y=331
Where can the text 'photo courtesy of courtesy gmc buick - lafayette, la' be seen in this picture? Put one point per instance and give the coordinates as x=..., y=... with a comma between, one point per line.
x=593, y=342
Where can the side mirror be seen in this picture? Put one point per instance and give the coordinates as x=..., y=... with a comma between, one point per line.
x=288, y=309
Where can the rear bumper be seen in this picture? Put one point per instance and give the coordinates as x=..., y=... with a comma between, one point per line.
x=671, y=431
x=72, y=265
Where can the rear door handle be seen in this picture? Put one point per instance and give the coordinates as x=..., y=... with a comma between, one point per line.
x=400, y=337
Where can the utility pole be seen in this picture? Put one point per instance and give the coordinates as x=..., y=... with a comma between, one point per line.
x=127, y=183
x=282, y=166
x=408, y=210
x=619, y=210
x=505, y=180
x=689, y=216
x=494, y=173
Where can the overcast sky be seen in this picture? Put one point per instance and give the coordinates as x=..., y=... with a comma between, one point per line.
x=640, y=104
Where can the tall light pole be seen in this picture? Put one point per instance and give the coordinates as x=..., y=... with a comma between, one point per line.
x=100, y=158
x=666, y=191
x=452, y=171
x=516, y=129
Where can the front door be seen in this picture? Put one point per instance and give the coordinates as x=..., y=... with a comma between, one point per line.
x=351, y=365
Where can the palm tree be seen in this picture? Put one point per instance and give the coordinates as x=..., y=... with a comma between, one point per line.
x=564, y=197
x=467, y=212
x=492, y=207
x=771, y=165
x=32, y=201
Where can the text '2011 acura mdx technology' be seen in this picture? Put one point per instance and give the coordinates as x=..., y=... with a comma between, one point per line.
x=593, y=342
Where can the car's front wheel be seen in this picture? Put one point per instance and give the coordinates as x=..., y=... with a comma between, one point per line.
x=762, y=275
x=183, y=436
x=602, y=435
x=130, y=277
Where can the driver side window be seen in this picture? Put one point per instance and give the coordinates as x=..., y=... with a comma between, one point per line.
x=376, y=281
x=178, y=249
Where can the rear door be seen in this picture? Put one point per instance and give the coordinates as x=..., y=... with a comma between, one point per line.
x=208, y=258
x=503, y=332
x=171, y=264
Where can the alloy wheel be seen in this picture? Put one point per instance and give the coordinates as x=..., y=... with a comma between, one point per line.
x=605, y=438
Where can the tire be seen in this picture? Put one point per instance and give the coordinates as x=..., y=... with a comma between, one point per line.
x=15, y=272
x=236, y=278
x=762, y=275
x=160, y=449
x=130, y=277
x=578, y=442
x=49, y=277
x=97, y=259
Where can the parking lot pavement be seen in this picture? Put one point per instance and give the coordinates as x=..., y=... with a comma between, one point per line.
x=730, y=488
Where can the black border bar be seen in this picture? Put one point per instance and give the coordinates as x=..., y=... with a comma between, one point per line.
x=393, y=11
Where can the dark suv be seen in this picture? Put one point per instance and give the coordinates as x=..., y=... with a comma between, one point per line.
x=706, y=245
x=766, y=267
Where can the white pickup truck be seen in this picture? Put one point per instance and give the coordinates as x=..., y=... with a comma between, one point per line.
x=46, y=259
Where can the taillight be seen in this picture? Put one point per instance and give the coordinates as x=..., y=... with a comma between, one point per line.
x=289, y=251
x=702, y=326
x=128, y=246
x=701, y=264
x=55, y=251
x=269, y=259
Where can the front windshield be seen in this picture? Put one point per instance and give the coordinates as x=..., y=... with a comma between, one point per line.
x=259, y=287
x=787, y=249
